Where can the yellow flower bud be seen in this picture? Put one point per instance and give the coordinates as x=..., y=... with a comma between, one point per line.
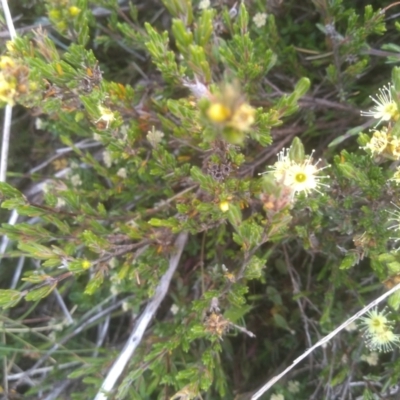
x=55, y=14
x=224, y=206
x=217, y=112
x=74, y=11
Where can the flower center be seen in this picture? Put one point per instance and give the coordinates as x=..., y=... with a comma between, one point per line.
x=390, y=110
x=300, y=177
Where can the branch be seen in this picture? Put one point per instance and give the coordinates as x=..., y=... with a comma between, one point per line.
x=323, y=341
x=136, y=336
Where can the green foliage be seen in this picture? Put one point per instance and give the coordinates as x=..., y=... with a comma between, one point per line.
x=142, y=125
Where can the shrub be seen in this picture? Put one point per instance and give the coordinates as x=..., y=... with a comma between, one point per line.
x=194, y=180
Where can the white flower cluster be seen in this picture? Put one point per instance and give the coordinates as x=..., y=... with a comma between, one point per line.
x=378, y=331
x=260, y=19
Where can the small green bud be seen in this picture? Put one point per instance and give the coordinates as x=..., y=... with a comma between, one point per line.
x=296, y=152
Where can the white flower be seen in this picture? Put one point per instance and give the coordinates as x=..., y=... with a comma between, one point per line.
x=106, y=116
x=122, y=173
x=204, y=4
x=298, y=177
x=76, y=180
x=383, y=341
x=294, y=386
x=351, y=327
x=277, y=397
x=371, y=359
x=260, y=19
x=125, y=306
x=74, y=165
x=377, y=331
x=375, y=322
x=174, y=309
x=198, y=89
x=39, y=124
x=46, y=187
x=60, y=202
x=97, y=137
x=107, y=158
x=282, y=165
x=385, y=108
x=154, y=136
x=303, y=177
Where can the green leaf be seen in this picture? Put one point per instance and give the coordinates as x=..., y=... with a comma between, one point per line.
x=94, y=242
x=7, y=191
x=234, y=215
x=95, y=283
x=296, y=152
x=180, y=9
x=254, y=268
x=184, y=38
x=204, y=28
x=36, y=250
x=40, y=293
x=351, y=259
x=281, y=322
x=9, y=298
x=394, y=300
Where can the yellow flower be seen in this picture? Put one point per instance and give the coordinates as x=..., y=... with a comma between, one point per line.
x=7, y=90
x=385, y=108
x=55, y=14
x=224, y=206
x=379, y=141
x=243, y=117
x=218, y=113
x=229, y=109
x=10, y=46
x=6, y=62
x=394, y=147
x=74, y=11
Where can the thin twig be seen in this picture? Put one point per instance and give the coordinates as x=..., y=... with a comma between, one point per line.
x=324, y=340
x=4, y=153
x=5, y=142
x=136, y=336
x=40, y=371
x=86, y=323
x=59, y=390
